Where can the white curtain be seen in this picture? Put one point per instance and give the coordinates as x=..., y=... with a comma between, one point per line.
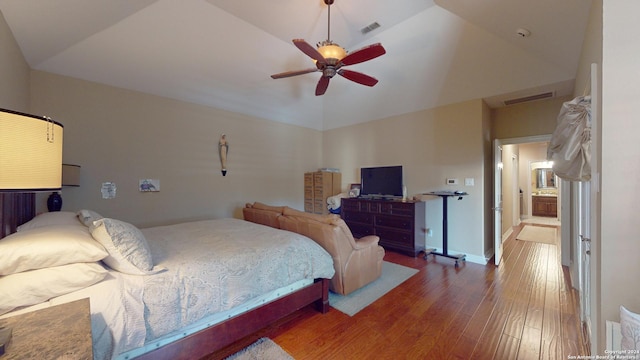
x=570, y=145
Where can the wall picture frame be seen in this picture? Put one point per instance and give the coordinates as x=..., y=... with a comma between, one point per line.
x=354, y=190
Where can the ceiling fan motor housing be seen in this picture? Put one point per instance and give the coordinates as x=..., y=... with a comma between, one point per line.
x=329, y=71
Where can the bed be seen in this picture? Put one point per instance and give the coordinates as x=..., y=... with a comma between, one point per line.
x=210, y=283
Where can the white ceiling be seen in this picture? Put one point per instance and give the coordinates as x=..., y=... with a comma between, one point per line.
x=221, y=53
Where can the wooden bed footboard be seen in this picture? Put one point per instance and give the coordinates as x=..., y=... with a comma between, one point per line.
x=217, y=337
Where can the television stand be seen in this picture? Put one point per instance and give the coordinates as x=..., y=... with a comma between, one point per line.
x=445, y=251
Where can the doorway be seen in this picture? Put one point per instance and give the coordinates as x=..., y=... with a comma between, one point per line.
x=515, y=189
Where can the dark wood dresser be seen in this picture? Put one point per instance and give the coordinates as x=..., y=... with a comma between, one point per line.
x=399, y=224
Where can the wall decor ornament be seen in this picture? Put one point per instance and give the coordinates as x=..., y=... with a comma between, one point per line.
x=223, y=149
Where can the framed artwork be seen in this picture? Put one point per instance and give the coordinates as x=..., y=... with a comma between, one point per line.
x=354, y=190
x=149, y=185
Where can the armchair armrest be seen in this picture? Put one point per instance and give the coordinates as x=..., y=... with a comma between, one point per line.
x=367, y=241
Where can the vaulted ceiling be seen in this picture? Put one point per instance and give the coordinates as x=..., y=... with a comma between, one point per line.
x=221, y=53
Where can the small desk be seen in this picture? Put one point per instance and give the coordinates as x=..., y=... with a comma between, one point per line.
x=57, y=332
x=445, y=195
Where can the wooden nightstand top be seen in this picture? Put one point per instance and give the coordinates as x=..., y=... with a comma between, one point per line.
x=57, y=332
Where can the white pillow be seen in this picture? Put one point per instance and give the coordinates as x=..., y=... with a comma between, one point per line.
x=35, y=286
x=87, y=217
x=47, y=246
x=127, y=247
x=50, y=218
x=630, y=328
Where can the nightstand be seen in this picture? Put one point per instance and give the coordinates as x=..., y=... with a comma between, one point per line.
x=57, y=332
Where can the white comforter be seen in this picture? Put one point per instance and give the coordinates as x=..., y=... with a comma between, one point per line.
x=215, y=265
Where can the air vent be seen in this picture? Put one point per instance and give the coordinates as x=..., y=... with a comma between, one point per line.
x=541, y=96
x=369, y=28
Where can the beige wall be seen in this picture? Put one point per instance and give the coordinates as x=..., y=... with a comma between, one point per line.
x=528, y=119
x=620, y=165
x=432, y=145
x=14, y=72
x=123, y=136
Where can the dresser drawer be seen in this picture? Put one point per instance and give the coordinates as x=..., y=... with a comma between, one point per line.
x=398, y=222
x=319, y=206
x=350, y=204
x=397, y=208
x=360, y=217
x=395, y=238
x=372, y=207
x=360, y=230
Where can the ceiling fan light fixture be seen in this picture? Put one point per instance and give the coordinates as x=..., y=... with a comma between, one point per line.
x=330, y=58
x=329, y=50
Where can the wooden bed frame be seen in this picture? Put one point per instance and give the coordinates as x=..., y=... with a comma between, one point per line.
x=219, y=336
x=16, y=209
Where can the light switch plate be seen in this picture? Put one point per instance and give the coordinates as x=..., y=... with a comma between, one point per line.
x=469, y=182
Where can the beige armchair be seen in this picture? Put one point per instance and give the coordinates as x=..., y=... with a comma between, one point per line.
x=357, y=261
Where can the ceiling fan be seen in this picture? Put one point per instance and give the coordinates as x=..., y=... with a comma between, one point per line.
x=331, y=57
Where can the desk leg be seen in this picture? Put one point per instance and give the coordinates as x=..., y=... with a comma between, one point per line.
x=445, y=236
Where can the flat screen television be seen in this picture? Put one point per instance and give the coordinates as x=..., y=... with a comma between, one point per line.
x=381, y=181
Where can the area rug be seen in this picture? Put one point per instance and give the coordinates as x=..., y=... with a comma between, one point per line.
x=392, y=276
x=546, y=235
x=263, y=349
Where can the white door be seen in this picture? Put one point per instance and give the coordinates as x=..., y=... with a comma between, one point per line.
x=584, y=241
x=497, y=200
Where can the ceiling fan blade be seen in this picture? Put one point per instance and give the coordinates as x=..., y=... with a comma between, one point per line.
x=358, y=77
x=322, y=86
x=364, y=54
x=311, y=52
x=293, y=73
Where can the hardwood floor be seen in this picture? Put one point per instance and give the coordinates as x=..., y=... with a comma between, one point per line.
x=525, y=309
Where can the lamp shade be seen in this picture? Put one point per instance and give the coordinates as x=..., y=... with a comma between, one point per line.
x=30, y=153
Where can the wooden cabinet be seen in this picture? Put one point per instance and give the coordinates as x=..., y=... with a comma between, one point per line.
x=399, y=224
x=318, y=186
x=544, y=206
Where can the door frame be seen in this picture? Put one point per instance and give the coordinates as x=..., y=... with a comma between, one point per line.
x=564, y=205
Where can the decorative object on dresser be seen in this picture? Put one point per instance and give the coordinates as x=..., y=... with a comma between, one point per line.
x=56, y=332
x=399, y=224
x=318, y=186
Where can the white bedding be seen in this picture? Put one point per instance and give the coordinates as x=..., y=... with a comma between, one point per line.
x=214, y=268
x=216, y=265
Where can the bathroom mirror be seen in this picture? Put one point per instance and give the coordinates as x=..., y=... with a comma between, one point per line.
x=545, y=178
